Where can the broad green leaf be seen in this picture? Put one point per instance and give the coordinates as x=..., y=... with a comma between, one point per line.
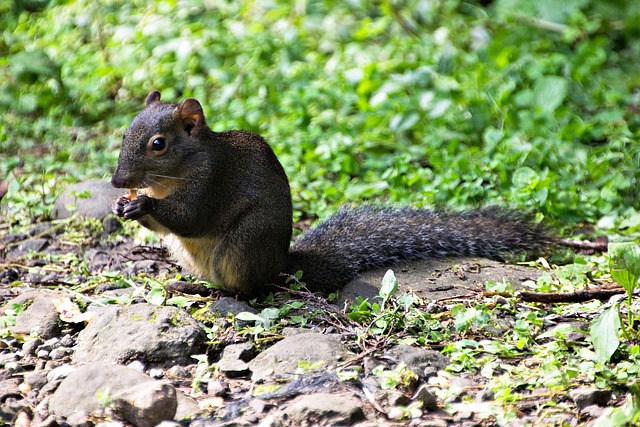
x=180, y=301
x=604, y=333
x=406, y=300
x=389, y=285
x=549, y=92
x=560, y=330
x=156, y=296
x=526, y=178
x=625, y=264
x=249, y=317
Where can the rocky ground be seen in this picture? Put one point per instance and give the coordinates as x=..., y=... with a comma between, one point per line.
x=84, y=343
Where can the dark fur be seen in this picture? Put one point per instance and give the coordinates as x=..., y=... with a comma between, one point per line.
x=229, y=192
x=356, y=240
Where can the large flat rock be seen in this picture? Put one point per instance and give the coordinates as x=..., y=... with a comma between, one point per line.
x=440, y=278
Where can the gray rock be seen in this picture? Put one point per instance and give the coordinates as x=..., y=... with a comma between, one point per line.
x=40, y=316
x=177, y=372
x=397, y=398
x=60, y=373
x=50, y=344
x=143, y=332
x=148, y=266
x=187, y=407
x=436, y=278
x=244, y=351
x=137, y=365
x=78, y=394
x=485, y=395
x=593, y=411
x=36, y=379
x=132, y=393
x=322, y=409
x=283, y=359
x=218, y=388
x=227, y=305
x=420, y=361
x=584, y=397
x=111, y=224
x=156, y=373
x=9, y=388
x=428, y=399
x=67, y=341
x=29, y=347
x=145, y=404
x=12, y=406
x=90, y=198
x=35, y=245
x=233, y=367
x=59, y=353
x=45, y=229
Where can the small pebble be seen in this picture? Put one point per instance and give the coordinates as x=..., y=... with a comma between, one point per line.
x=29, y=347
x=395, y=413
x=137, y=365
x=156, y=373
x=58, y=353
x=42, y=354
x=67, y=341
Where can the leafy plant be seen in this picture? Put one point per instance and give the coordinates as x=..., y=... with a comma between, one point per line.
x=624, y=266
x=626, y=415
x=394, y=314
x=9, y=319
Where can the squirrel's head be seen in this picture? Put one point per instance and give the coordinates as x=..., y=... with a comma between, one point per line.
x=159, y=142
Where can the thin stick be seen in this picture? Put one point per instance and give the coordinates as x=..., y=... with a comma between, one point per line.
x=579, y=296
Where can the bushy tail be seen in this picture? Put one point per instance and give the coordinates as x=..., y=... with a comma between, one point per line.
x=356, y=240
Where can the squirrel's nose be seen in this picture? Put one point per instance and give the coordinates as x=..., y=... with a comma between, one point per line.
x=121, y=180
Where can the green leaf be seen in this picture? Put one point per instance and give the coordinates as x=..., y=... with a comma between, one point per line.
x=526, y=178
x=549, y=92
x=624, y=264
x=156, y=296
x=389, y=285
x=249, y=317
x=604, y=333
x=180, y=301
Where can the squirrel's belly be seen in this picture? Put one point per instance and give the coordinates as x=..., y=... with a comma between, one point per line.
x=206, y=259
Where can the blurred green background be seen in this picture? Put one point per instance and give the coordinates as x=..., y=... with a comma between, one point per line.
x=532, y=105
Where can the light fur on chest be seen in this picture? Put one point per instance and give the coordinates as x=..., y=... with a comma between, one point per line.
x=205, y=258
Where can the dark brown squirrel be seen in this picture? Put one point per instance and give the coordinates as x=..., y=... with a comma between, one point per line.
x=222, y=203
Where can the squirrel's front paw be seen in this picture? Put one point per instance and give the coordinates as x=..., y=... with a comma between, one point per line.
x=118, y=205
x=137, y=208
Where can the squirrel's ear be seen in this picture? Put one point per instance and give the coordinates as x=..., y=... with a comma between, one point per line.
x=153, y=96
x=190, y=111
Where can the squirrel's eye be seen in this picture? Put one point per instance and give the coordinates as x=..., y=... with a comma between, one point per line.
x=158, y=144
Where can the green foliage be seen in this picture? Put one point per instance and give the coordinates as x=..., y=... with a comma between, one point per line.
x=391, y=379
x=604, y=333
x=9, y=319
x=396, y=318
x=526, y=104
x=627, y=415
x=624, y=264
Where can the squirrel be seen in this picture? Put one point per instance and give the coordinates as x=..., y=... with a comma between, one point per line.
x=222, y=204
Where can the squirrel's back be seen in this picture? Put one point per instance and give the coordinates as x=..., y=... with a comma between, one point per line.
x=356, y=240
